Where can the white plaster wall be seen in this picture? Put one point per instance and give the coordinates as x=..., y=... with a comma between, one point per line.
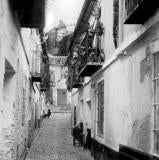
x=12, y=49
x=8, y=98
x=117, y=103
x=128, y=89
x=107, y=20
x=128, y=96
x=127, y=104
x=86, y=110
x=128, y=86
x=37, y=99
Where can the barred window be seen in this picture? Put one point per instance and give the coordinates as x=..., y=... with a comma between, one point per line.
x=100, y=116
x=156, y=102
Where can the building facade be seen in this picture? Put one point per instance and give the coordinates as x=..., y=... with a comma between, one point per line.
x=118, y=101
x=21, y=98
x=58, y=93
x=58, y=41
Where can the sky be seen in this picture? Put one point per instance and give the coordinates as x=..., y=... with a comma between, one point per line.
x=67, y=10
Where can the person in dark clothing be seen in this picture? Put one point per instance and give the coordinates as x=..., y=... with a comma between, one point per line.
x=87, y=145
x=48, y=113
x=76, y=134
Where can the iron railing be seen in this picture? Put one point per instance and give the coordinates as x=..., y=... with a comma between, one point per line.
x=45, y=83
x=92, y=55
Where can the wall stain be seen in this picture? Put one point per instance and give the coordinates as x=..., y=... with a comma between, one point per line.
x=146, y=65
x=141, y=131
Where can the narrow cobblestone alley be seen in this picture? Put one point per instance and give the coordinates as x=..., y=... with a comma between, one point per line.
x=54, y=141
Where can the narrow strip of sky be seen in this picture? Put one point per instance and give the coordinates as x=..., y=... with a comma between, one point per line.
x=67, y=10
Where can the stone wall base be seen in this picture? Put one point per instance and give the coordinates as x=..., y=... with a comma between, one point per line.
x=102, y=152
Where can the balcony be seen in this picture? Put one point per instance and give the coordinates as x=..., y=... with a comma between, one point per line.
x=77, y=82
x=45, y=76
x=45, y=81
x=99, y=29
x=139, y=11
x=45, y=85
x=91, y=61
x=36, y=77
x=35, y=68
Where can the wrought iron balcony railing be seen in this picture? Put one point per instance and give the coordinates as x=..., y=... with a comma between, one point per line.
x=45, y=83
x=91, y=61
x=138, y=11
x=99, y=30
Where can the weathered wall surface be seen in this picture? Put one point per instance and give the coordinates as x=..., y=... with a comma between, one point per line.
x=14, y=115
x=107, y=20
x=128, y=87
x=128, y=96
x=128, y=102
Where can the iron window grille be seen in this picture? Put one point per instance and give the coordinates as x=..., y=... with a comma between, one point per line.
x=156, y=101
x=100, y=116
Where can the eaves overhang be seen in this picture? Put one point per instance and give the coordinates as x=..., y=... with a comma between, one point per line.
x=30, y=13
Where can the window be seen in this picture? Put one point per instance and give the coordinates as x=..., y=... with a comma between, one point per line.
x=156, y=102
x=100, y=116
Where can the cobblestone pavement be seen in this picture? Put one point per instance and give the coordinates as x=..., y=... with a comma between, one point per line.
x=54, y=141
